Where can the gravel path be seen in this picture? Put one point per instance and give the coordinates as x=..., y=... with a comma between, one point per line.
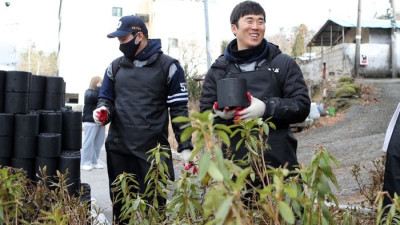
x=357, y=138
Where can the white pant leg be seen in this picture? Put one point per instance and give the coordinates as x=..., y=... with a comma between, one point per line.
x=90, y=130
x=98, y=143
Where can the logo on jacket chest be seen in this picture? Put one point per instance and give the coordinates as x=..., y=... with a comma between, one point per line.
x=275, y=70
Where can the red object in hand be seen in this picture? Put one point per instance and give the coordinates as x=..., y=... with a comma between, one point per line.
x=239, y=109
x=226, y=109
x=191, y=164
x=102, y=115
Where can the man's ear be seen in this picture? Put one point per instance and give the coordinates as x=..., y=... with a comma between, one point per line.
x=141, y=36
x=234, y=29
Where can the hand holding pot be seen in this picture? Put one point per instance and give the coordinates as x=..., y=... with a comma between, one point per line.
x=225, y=114
x=256, y=109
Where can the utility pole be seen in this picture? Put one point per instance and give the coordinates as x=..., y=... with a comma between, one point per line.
x=358, y=42
x=59, y=38
x=207, y=34
x=393, y=40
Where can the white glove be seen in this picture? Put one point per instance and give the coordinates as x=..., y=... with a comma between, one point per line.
x=256, y=109
x=185, y=154
x=100, y=115
x=225, y=114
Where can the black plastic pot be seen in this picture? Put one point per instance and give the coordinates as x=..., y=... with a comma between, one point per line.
x=71, y=161
x=6, y=146
x=53, y=101
x=86, y=195
x=86, y=192
x=232, y=93
x=36, y=100
x=50, y=122
x=38, y=83
x=16, y=102
x=51, y=167
x=48, y=145
x=5, y=162
x=3, y=75
x=2, y=96
x=26, y=164
x=72, y=120
x=24, y=147
x=54, y=84
x=6, y=124
x=71, y=140
x=26, y=125
x=74, y=186
x=17, y=81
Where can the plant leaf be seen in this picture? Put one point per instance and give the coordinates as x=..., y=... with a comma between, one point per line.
x=286, y=212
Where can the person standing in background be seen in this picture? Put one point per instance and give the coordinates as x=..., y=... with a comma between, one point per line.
x=391, y=146
x=93, y=134
x=141, y=91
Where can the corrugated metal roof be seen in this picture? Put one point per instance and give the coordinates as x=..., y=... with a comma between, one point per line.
x=332, y=29
x=386, y=24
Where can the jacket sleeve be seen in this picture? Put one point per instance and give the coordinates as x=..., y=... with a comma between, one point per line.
x=209, y=93
x=91, y=96
x=294, y=106
x=177, y=102
x=175, y=111
x=107, y=87
x=106, y=94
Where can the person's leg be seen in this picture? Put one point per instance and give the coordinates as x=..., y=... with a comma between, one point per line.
x=98, y=143
x=391, y=180
x=87, y=146
x=143, y=170
x=116, y=165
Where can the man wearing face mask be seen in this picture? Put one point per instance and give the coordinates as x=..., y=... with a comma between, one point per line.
x=138, y=89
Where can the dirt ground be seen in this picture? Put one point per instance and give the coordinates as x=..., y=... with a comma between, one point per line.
x=354, y=136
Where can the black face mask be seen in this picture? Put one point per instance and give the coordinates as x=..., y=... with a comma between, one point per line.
x=129, y=49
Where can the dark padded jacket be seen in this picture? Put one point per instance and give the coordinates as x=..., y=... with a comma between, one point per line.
x=141, y=96
x=90, y=104
x=287, y=103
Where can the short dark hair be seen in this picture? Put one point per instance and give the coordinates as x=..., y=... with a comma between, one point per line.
x=246, y=8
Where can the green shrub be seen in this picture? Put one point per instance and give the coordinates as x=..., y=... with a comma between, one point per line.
x=345, y=91
x=23, y=201
x=355, y=86
x=213, y=197
x=346, y=80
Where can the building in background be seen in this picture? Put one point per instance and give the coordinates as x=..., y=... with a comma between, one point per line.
x=335, y=45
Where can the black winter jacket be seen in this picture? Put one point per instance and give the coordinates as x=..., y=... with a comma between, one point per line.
x=90, y=104
x=285, y=96
x=293, y=107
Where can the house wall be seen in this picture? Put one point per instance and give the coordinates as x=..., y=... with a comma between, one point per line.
x=340, y=62
x=350, y=35
x=380, y=36
x=378, y=59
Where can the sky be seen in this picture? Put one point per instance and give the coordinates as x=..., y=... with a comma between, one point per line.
x=27, y=21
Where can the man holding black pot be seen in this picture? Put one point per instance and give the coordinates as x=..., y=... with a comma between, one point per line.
x=275, y=85
x=140, y=91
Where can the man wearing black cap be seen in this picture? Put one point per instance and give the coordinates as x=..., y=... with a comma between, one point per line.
x=138, y=89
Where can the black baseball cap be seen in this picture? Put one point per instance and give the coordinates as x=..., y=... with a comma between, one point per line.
x=128, y=25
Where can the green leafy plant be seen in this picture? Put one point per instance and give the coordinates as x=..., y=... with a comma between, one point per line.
x=224, y=192
x=23, y=201
x=370, y=189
